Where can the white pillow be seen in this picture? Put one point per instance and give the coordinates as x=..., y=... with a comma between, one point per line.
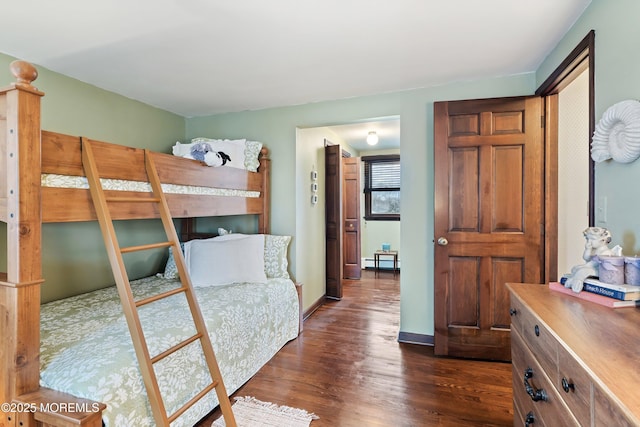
x=181, y=150
x=276, y=247
x=244, y=154
x=220, y=262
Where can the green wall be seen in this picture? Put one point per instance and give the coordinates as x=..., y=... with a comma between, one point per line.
x=276, y=128
x=74, y=258
x=617, y=78
x=308, y=244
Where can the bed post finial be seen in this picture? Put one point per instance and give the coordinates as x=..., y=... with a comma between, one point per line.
x=24, y=72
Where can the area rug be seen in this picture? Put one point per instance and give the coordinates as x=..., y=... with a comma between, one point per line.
x=251, y=412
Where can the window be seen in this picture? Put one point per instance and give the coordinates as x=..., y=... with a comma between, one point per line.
x=382, y=187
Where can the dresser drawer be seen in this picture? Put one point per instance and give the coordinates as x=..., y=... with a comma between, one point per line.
x=574, y=385
x=528, y=419
x=530, y=379
x=536, y=335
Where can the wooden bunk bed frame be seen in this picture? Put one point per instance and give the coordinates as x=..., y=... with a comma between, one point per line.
x=26, y=152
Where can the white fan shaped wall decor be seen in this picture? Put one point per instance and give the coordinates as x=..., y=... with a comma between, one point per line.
x=617, y=134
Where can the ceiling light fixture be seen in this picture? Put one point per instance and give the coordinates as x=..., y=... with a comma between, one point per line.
x=372, y=138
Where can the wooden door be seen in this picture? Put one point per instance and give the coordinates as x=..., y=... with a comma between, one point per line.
x=333, y=220
x=489, y=219
x=351, y=209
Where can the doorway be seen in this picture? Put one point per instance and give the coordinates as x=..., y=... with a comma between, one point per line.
x=573, y=171
x=363, y=192
x=569, y=93
x=309, y=242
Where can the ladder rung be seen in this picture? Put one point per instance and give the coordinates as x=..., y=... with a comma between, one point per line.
x=133, y=199
x=145, y=247
x=193, y=400
x=153, y=298
x=175, y=348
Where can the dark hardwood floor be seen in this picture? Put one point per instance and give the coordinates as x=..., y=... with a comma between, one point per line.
x=348, y=368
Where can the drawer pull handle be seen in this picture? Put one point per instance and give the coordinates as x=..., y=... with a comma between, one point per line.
x=535, y=394
x=567, y=386
x=529, y=419
x=513, y=312
x=536, y=330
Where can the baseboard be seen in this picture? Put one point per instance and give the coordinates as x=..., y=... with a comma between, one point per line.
x=385, y=264
x=380, y=269
x=411, y=338
x=316, y=305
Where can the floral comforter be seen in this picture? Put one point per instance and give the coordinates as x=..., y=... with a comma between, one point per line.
x=86, y=349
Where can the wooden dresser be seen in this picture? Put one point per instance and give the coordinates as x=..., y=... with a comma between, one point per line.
x=575, y=363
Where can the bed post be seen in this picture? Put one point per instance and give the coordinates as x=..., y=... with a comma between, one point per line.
x=20, y=209
x=264, y=219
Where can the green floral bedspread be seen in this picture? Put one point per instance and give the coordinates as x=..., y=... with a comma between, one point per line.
x=86, y=349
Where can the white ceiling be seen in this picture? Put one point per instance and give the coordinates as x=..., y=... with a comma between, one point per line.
x=202, y=57
x=355, y=134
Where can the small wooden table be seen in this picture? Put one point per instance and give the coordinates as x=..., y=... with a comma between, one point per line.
x=376, y=260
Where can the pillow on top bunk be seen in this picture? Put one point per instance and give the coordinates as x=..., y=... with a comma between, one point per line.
x=244, y=154
x=276, y=264
x=214, y=262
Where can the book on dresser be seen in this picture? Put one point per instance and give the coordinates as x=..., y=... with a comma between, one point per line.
x=620, y=292
x=595, y=298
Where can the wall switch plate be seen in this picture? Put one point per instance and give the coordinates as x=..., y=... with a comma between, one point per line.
x=602, y=210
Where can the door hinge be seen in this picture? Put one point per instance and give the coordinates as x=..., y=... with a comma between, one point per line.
x=542, y=122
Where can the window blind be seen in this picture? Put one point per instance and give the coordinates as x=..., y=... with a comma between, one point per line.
x=381, y=173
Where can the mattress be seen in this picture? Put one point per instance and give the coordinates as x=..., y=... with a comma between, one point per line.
x=81, y=182
x=86, y=349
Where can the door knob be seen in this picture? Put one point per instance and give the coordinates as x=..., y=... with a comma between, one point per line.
x=442, y=241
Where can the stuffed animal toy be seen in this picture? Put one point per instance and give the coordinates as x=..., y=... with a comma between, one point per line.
x=225, y=157
x=203, y=152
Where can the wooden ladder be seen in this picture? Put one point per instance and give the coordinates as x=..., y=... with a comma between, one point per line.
x=130, y=306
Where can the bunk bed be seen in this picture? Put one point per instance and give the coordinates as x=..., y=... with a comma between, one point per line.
x=30, y=157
